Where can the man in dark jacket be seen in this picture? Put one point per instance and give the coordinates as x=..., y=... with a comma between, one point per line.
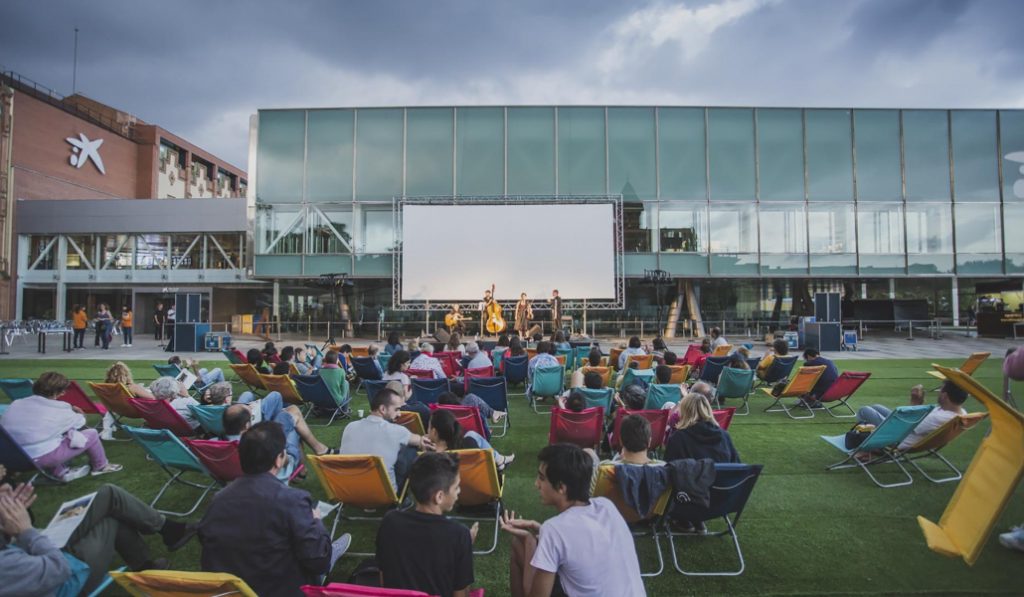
x=812, y=358
x=263, y=531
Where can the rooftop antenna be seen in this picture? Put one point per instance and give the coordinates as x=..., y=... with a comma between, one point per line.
x=74, y=69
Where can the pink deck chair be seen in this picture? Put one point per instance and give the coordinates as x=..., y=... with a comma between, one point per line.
x=159, y=414
x=657, y=418
x=221, y=459
x=583, y=429
x=487, y=371
x=723, y=416
x=76, y=396
x=468, y=417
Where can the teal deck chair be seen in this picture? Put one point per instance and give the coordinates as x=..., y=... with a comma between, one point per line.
x=632, y=375
x=660, y=393
x=547, y=383
x=735, y=383
x=883, y=440
x=172, y=370
x=210, y=417
x=383, y=359
x=568, y=354
x=581, y=354
x=176, y=460
x=16, y=388
x=601, y=397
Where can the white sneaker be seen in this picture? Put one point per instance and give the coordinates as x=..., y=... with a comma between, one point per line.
x=75, y=473
x=1014, y=539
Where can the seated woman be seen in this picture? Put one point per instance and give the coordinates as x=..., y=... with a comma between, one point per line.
x=574, y=402
x=120, y=373
x=458, y=397
x=515, y=347
x=51, y=432
x=736, y=361
x=697, y=434
x=255, y=358
x=658, y=348
x=394, y=343
x=447, y=434
x=559, y=341
x=593, y=360
x=398, y=364
x=455, y=344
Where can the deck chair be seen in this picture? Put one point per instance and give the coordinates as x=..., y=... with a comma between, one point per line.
x=580, y=355
x=166, y=369
x=210, y=417
x=355, y=481
x=468, y=417
x=680, y=373
x=314, y=392
x=493, y=391
x=779, y=370
x=632, y=375
x=177, y=583
x=729, y=495
x=692, y=355
x=514, y=370
x=583, y=429
x=340, y=589
x=723, y=416
x=753, y=363
x=930, y=445
x=606, y=485
x=372, y=386
x=469, y=374
x=337, y=384
x=220, y=458
x=419, y=373
x=613, y=357
x=233, y=356
x=658, y=394
x=659, y=426
x=883, y=441
x=115, y=397
x=176, y=459
x=159, y=414
x=643, y=361
x=284, y=385
x=365, y=368
x=722, y=350
x=841, y=390
x=16, y=388
x=602, y=398
x=548, y=382
x=712, y=369
x=969, y=366
x=480, y=491
x=450, y=362
x=383, y=359
x=15, y=460
x=735, y=383
x=427, y=391
x=802, y=383
x=75, y=396
x=411, y=420
x=249, y=376
x=604, y=372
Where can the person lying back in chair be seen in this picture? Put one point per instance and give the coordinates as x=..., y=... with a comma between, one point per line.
x=950, y=404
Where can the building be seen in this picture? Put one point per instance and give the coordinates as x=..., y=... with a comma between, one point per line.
x=749, y=209
x=99, y=206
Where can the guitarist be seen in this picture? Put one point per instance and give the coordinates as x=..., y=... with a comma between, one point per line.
x=454, y=320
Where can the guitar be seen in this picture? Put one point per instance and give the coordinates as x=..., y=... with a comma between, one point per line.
x=453, y=319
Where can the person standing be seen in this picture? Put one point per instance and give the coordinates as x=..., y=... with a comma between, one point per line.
x=79, y=321
x=126, y=325
x=524, y=313
x=158, y=320
x=556, y=311
x=104, y=326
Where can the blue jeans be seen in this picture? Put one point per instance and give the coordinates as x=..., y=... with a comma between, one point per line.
x=874, y=414
x=272, y=409
x=211, y=376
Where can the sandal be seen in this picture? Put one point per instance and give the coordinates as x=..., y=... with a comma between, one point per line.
x=110, y=468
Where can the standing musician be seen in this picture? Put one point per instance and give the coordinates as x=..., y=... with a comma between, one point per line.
x=556, y=311
x=454, y=318
x=524, y=313
x=484, y=304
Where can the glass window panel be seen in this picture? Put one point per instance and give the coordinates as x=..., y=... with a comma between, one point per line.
x=731, y=153
x=829, y=155
x=1011, y=138
x=374, y=265
x=926, y=155
x=975, y=167
x=636, y=228
x=531, y=151
x=779, y=264
x=330, y=230
x=682, y=160
x=1013, y=216
x=973, y=264
x=831, y=229
x=329, y=155
x=839, y=264
x=878, y=155
x=87, y=245
x=279, y=155
x=112, y=254
x=37, y=244
x=783, y=229
x=684, y=264
x=880, y=229
x=232, y=247
x=631, y=168
x=378, y=231
x=875, y=265
x=186, y=254
x=683, y=227
x=151, y=251
x=930, y=264
x=480, y=153
x=978, y=228
x=429, y=151
x=780, y=150
x=581, y=153
x=1014, y=263
x=732, y=228
x=735, y=264
x=929, y=229
x=378, y=153
x=274, y=221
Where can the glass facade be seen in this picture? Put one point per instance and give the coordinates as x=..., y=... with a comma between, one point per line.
x=717, y=192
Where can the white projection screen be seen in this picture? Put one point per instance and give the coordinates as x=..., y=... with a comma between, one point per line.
x=454, y=252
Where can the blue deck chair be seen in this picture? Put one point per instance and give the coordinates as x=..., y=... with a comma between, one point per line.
x=882, y=441
x=601, y=397
x=547, y=383
x=713, y=369
x=646, y=376
x=494, y=392
x=372, y=386
x=210, y=417
x=735, y=383
x=314, y=390
x=516, y=370
x=426, y=391
x=753, y=363
x=780, y=369
x=15, y=460
x=729, y=494
x=176, y=460
x=365, y=368
x=660, y=393
x=16, y=388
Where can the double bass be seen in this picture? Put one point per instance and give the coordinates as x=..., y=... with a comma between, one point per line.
x=492, y=311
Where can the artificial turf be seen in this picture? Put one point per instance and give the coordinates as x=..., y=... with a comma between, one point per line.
x=805, y=530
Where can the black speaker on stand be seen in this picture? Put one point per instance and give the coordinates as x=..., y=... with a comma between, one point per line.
x=189, y=330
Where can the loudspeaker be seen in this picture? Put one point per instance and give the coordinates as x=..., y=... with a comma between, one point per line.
x=187, y=307
x=442, y=335
x=827, y=307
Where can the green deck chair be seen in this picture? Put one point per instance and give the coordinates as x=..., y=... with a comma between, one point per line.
x=882, y=441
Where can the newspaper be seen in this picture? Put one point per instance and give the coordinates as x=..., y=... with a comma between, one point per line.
x=325, y=509
x=255, y=411
x=186, y=377
x=66, y=520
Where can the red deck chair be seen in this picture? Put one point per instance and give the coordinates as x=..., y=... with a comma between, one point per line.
x=583, y=428
x=75, y=396
x=221, y=459
x=657, y=418
x=487, y=371
x=468, y=417
x=420, y=373
x=841, y=390
x=159, y=414
x=449, y=362
x=692, y=356
x=723, y=416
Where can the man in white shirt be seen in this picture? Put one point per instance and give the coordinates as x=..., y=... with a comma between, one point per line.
x=427, y=362
x=587, y=547
x=951, y=399
x=477, y=358
x=377, y=434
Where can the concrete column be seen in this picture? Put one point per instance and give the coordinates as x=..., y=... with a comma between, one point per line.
x=892, y=288
x=276, y=307
x=956, y=302
x=61, y=310
x=864, y=290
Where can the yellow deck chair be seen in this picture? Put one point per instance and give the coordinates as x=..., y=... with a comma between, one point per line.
x=722, y=351
x=802, y=383
x=359, y=481
x=176, y=583
x=938, y=439
x=479, y=488
x=969, y=366
x=644, y=361
x=360, y=351
x=604, y=372
x=249, y=376
x=613, y=357
x=285, y=385
x=605, y=485
x=987, y=486
x=680, y=373
x=115, y=397
x=292, y=369
x=411, y=420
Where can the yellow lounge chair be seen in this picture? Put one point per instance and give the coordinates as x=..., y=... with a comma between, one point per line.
x=177, y=583
x=802, y=383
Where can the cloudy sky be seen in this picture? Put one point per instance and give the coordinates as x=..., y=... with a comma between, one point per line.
x=200, y=68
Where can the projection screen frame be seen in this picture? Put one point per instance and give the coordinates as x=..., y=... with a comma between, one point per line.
x=618, y=303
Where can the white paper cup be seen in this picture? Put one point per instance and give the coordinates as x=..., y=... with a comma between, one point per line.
x=360, y=413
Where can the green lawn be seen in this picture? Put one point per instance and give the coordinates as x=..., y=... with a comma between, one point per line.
x=805, y=530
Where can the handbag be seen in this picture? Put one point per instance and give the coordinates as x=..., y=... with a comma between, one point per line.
x=779, y=388
x=857, y=434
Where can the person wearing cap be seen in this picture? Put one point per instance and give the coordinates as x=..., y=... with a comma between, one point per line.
x=477, y=358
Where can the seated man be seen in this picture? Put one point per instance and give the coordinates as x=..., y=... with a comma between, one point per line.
x=574, y=545
x=261, y=530
x=206, y=376
x=377, y=434
x=635, y=435
x=780, y=348
x=422, y=549
x=814, y=359
x=426, y=361
x=950, y=401
x=717, y=339
x=477, y=358
x=169, y=389
x=116, y=520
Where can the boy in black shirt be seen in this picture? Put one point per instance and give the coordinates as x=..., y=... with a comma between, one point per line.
x=422, y=549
